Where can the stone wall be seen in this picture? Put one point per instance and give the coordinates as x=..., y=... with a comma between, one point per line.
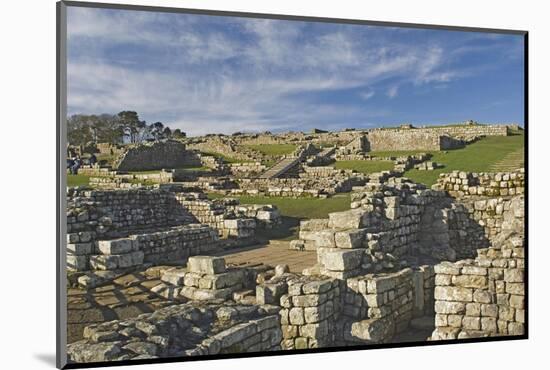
x=431, y=138
x=310, y=312
x=307, y=185
x=381, y=140
x=177, y=243
x=460, y=183
x=117, y=213
x=469, y=132
x=145, y=220
x=157, y=155
x=246, y=169
x=217, y=329
x=485, y=296
x=219, y=145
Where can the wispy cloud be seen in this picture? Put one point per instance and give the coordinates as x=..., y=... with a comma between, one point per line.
x=392, y=91
x=221, y=74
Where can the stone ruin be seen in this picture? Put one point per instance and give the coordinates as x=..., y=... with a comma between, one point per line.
x=402, y=258
x=199, y=162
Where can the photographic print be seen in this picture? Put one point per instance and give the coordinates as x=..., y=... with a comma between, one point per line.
x=242, y=185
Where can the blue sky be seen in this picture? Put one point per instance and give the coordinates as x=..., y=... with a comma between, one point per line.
x=211, y=74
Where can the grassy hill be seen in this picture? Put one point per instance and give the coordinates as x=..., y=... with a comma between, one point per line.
x=481, y=156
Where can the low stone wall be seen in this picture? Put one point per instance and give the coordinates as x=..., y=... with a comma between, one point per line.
x=307, y=185
x=217, y=329
x=95, y=216
x=118, y=213
x=113, y=183
x=459, y=183
x=219, y=145
x=96, y=171
x=246, y=168
x=167, y=246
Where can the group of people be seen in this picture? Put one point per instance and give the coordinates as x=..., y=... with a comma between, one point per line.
x=76, y=162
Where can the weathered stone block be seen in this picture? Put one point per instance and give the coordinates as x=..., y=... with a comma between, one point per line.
x=349, y=238
x=513, y=275
x=474, y=270
x=453, y=294
x=206, y=264
x=335, y=259
x=80, y=249
x=375, y=330
x=269, y=293
x=489, y=310
x=515, y=288
x=482, y=296
x=116, y=246
x=174, y=277
x=296, y=316
x=380, y=284
x=489, y=325
x=470, y=281
x=443, y=307
x=471, y=323
x=314, y=287
x=352, y=219
x=445, y=333
x=473, y=309
x=447, y=268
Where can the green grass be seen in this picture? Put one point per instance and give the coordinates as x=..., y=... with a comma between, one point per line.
x=273, y=149
x=78, y=180
x=396, y=153
x=295, y=209
x=476, y=157
x=364, y=166
x=225, y=158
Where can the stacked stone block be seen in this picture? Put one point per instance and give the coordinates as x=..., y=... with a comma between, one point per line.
x=483, y=297
x=205, y=278
x=189, y=329
x=175, y=244
x=80, y=246
x=309, y=313
x=459, y=183
x=156, y=155
x=379, y=306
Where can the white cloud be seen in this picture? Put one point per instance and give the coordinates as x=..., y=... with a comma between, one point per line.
x=204, y=75
x=366, y=95
x=392, y=91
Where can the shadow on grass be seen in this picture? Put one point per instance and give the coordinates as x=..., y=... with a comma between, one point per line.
x=287, y=230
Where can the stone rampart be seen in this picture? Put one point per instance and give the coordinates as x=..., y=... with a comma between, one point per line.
x=156, y=155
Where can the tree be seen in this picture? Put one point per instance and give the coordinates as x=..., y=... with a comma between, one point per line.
x=167, y=133
x=156, y=130
x=178, y=134
x=104, y=128
x=131, y=125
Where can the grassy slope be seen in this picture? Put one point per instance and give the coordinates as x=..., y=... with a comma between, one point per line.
x=364, y=166
x=273, y=149
x=476, y=157
x=77, y=180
